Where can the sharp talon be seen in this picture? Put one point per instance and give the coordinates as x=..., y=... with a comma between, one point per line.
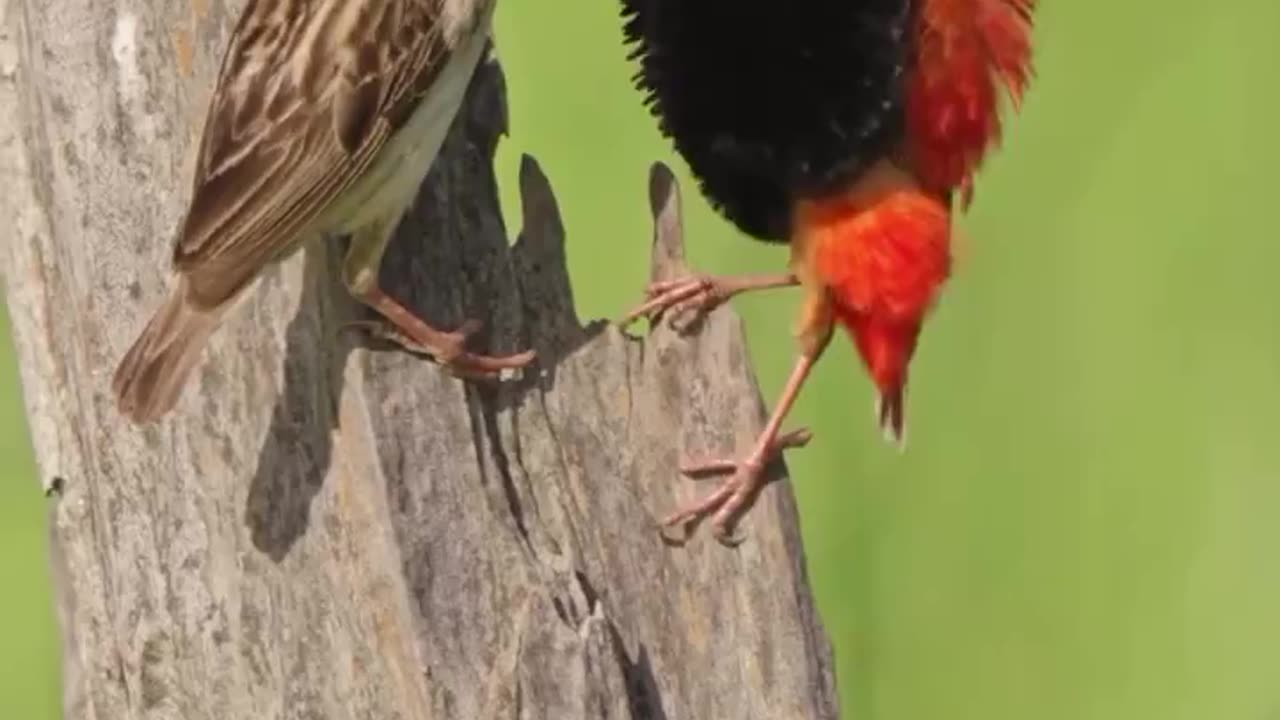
x=486, y=366
x=726, y=538
x=636, y=314
x=464, y=373
x=669, y=536
x=701, y=470
x=468, y=327
x=371, y=327
x=797, y=438
x=674, y=519
x=678, y=317
x=379, y=331
x=355, y=325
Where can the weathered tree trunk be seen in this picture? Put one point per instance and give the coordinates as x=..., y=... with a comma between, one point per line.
x=324, y=531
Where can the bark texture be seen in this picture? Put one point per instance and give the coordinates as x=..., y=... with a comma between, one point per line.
x=322, y=530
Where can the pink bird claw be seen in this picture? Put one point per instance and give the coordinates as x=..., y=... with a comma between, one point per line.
x=695, y=296
x=677, y=297
x=736, y=494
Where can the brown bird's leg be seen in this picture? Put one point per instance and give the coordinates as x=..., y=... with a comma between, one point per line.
x=446, y=347
x=360, y=275
x=701, y=293
x=739, y=490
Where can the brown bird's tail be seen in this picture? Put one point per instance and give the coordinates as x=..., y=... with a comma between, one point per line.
x=153, y=372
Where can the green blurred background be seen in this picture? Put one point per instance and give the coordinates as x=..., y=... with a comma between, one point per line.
x=1084, y=525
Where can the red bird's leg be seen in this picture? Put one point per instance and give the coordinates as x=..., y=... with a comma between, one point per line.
x=701, y=293
x=446, y=347
x=740, y=489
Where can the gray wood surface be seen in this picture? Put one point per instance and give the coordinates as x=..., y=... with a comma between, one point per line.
x=326, y=531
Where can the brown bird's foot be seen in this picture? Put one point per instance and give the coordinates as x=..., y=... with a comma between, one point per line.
x=738, y=491
x=446, y=348
x=700, y=294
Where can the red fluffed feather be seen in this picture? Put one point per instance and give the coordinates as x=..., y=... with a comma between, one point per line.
x=884, y=259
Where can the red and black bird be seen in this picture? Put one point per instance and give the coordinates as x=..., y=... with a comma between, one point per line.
x=846, y=129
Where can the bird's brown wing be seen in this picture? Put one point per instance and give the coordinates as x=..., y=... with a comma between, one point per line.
x=307, y=95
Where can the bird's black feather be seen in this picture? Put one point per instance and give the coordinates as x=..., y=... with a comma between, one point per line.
x=772, y=100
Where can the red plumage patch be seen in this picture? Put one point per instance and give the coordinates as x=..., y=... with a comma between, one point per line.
x=886, y=256
x=884, y=260
x=966, y=48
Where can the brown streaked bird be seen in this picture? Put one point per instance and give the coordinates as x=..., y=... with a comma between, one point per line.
x=326, y=117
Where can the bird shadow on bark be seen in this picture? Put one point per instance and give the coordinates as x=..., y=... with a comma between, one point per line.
x=644, y=699
x=449, y=261
x=296, y=454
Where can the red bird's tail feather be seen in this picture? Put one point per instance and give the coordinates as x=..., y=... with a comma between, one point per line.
x=891, y=415
x=886, y=347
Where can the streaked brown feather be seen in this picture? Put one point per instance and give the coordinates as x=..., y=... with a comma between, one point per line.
x=299, y=110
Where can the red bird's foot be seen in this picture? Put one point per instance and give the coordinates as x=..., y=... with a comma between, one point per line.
x=699, y=294
x=737, y=492
x=448, y=349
